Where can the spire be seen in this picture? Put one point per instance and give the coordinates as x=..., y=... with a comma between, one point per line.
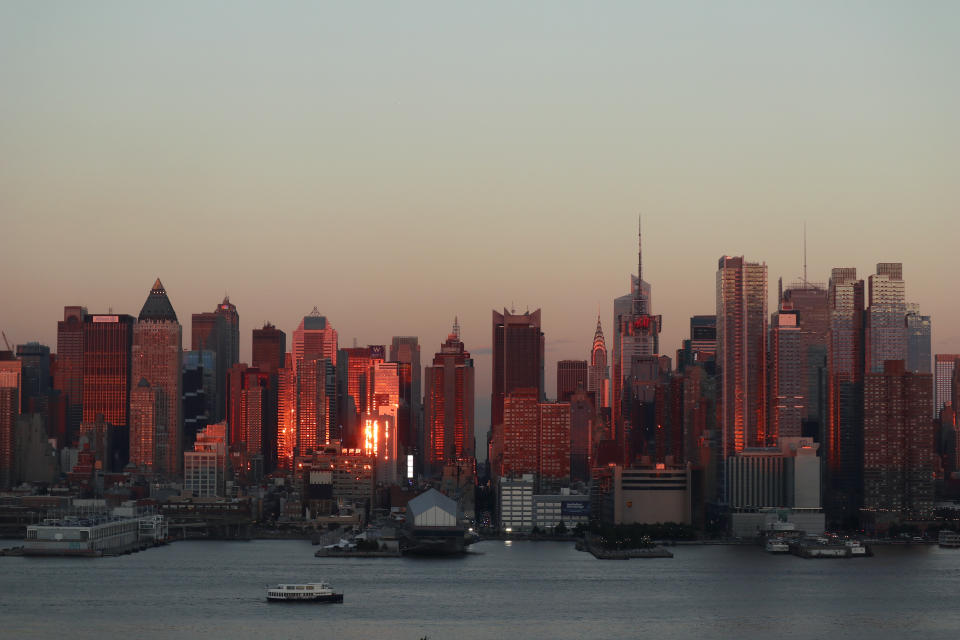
x=640, y=252
x=157, y=307
x=456, y=327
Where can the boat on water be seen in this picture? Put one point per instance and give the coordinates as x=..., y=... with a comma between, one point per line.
x=776, y=545
x=303, y=592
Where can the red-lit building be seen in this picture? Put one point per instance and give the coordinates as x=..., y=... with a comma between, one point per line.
x=898, y=444
x=536, y=438
x=248, y=408
x=269, y=348
x=448, y=405
x=286, y=414
x=314, y=338
x=107, y=381
x=518, y=345
x=218, y=331
x=145, y=407
x=156, y=357
x=68, y=376
x=10, y=381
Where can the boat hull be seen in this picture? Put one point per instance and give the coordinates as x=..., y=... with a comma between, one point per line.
x=331, y=598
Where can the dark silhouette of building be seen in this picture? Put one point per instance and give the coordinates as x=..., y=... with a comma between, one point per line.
x=571, y=377
x=405, y=351
x=269, y=348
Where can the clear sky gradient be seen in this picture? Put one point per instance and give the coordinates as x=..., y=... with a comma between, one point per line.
x=397, y=164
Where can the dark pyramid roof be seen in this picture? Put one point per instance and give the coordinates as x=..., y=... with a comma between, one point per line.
x=157, y=307
x=143, y=383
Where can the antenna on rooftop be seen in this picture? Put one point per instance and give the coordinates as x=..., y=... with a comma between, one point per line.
x=804, y=253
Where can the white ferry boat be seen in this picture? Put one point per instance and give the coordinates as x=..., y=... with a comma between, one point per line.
x=304, y=592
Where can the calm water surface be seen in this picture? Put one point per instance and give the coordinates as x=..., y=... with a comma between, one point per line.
x=502, y=590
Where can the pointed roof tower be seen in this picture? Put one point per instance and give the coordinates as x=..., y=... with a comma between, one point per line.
x=599, y=346
x=157, y=307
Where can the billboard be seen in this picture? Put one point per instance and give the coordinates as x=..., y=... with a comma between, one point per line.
x=575, y=508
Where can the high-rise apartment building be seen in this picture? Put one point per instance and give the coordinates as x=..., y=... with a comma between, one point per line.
x=448, y=405
x=156, y=357
x=536, y=438
x=741, y=353
x=68, y=378
x=571, y=376
x=945, y=365
x=812, y=306
x=898, y=444
x=269, y=348
x=886, y=333
x=286, y=414
x=788, y=393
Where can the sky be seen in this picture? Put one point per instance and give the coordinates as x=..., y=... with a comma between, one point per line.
x=400, y=164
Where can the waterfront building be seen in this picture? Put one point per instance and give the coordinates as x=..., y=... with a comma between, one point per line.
x=552, y=510
x=515, y=503
x=571, y=376
x=205, y=466
x=448, y=404
x=68, y=377
x=536, y=438
x=898, y=445
x=269, y=348
x=741, y=352
x=648, y=494
x=156, y=357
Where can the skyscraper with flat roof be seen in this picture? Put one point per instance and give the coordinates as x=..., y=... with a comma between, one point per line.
x=742, y=353
x=571, y=376
x=10, y=381
x=68, y=378
x=106, y=370
x=886, y=333
x=918, y=340
x=518, y=347
x=945, y=365
x=269, y=348
x=314, y=338
x=156, y=357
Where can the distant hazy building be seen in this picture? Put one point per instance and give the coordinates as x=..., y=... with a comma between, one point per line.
x=156, y=357
x=35, y=361
x=918, y=340
x=886, y=333
x=741, y=352
x=269, y=348
x=571, y=376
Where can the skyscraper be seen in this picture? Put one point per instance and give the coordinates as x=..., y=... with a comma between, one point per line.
x=269, y=348
x=886, y=334
x=898, y=436
x=811, y=303
x=248, y=409
x=598, y=373
x=571, y=376
x=448, y=404
x=10, y=381
x=286, y=414
x=156, y=358
x=741, y=352
x=636, y=334
x=945, y=366
x=918, y=340
x=405, y=351
x=314, y=338
x=518, y=346
x=788, y=397
x=35, y=380
x=68, y=379
x=107, y=380
x=218, y=331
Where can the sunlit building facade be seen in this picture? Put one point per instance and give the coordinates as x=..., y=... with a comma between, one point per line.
x=156, y=357
x=269, y=348
x=598, y=373
x=448, y=405
x=10, y=381
x=68, y=377
x=314, y=338
x=742, y=353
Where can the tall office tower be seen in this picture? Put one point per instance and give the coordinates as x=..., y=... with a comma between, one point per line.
x=286, y=414
x=918, y=340
x=812, y=306
x=68, y=379
x=741, y=353
x=598, y=373
x=583, y=418
x=35, y=379
x=248, y=408
x=316, y=405
x=898, y=437
x=157, y=358
x=269, y=348
x=845, y=364
x=314, y=338
x=553, y=450
x=636, y=333
x=218, y=331
x=448, y=405
x=228, y=311
x=788, y=393
x=518, y=363
x=107, y=380
x=701, y=347
x=10, y=381
x=146, y=406
x=886, y=333
x=199, y=393
x=405, y=351
x=946, y=364
x=571, y=376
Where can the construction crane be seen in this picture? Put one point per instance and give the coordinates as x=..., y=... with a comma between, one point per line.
x=5, y=341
